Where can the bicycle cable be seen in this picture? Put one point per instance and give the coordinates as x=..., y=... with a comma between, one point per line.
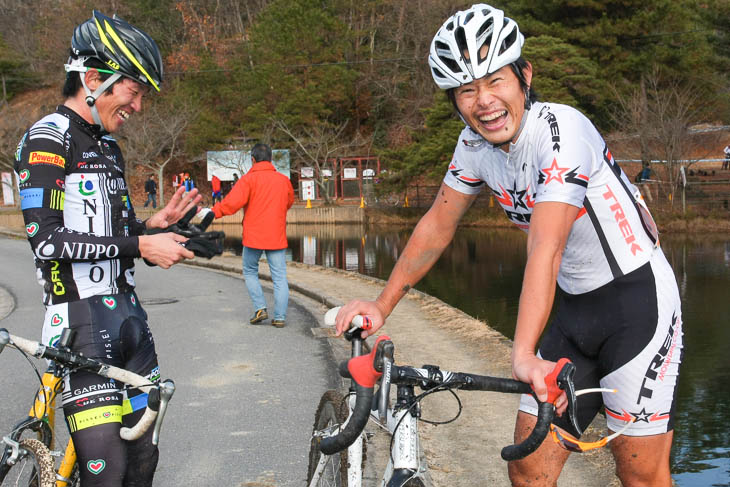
x=417, y=399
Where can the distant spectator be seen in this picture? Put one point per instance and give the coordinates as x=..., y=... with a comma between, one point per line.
x=189, y=183
x=215, y=183
x=644, y=174
x=726, y=162
x=265, y=196
x=150, y=186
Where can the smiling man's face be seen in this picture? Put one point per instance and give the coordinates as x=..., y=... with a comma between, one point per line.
x=117, y=104
x=494, y=105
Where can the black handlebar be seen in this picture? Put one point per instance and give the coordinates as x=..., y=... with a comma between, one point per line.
x=545, y=415
x=429, y=377
x=347, y=436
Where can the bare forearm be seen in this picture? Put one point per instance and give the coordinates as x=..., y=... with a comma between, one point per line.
x=430, y=237
x=536, y=299
x=549, y=230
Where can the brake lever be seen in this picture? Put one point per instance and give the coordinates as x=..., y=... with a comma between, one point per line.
x=561, y=380
x=565, y=382
x=167, y=389
x=384, y=360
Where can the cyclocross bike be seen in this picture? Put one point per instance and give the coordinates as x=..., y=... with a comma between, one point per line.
x=27, y=455
x=337, y=446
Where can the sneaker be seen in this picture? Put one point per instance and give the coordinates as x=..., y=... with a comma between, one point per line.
x=259, y=316
x=278, y=323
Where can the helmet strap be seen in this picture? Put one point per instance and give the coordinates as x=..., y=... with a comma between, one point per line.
x=92, y=97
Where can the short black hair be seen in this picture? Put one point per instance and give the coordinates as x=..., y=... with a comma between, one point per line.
x=72, y=85
x=261, y=152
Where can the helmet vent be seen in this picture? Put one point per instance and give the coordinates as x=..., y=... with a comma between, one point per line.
x=450, y=26
x=469, y=16
x=508, y=41
x=444, y=54
x=437, y=73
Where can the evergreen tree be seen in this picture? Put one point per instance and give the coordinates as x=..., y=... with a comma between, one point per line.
x=624, y=38
x=294, y=69
x=429, y=153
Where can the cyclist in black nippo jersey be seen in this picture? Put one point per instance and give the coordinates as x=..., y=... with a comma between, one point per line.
x=85, y=236
x=589, y=232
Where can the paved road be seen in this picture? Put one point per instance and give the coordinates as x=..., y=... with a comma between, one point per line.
x=246, y=395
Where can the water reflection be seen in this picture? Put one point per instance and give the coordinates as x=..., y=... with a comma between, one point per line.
x=481, y=274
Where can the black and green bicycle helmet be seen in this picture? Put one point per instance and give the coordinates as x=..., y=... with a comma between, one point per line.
x=122, y=47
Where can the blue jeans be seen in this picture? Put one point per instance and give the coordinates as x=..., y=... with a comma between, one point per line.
x=277, y=266
x=151, y=197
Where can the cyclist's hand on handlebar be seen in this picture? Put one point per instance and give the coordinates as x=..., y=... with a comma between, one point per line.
x=179, y=205
x=364, y=308
x=164, y=249
x=533, y=370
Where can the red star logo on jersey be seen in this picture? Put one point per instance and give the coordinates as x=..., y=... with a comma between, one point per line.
x=555, y=172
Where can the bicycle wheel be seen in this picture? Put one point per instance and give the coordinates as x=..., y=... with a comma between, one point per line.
x=34, y=467
x=332, y=410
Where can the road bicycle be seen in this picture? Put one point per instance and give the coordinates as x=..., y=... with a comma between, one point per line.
x=337, y=447
x=27, y=451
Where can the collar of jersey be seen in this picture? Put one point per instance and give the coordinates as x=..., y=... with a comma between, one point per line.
x=93, y=129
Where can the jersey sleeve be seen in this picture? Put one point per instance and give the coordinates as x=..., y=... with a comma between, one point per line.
x=41, y=161
x=136, y=226
x=462, y=175
x=565, y=161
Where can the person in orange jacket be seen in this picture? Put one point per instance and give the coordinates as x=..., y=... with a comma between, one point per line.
x=265, y=196
x=215, y=184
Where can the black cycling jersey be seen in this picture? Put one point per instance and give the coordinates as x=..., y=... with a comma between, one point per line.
x=78, y=215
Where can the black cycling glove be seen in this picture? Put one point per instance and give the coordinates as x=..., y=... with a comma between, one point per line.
x=201, y=243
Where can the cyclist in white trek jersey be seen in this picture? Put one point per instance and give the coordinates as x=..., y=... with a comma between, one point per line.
x=589, y=231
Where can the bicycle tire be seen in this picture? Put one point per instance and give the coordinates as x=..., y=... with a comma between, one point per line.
x=34, y=468
x=332, y=410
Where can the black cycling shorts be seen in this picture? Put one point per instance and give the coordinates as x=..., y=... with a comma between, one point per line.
x=114, y=330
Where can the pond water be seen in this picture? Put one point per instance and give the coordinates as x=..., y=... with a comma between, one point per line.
x=481, y=274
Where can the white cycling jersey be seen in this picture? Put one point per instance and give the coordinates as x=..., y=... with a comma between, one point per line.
x=560, y=156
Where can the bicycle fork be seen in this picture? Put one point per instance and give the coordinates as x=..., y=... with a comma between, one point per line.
x=404, y=462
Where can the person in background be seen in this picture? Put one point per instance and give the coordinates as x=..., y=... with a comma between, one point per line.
x=215, y=184
x=591, y=242
x=150, y=186
x=726, y=162
x=188, y=183
x=265, y=196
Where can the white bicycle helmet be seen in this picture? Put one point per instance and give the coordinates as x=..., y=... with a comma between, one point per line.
x=473, y=44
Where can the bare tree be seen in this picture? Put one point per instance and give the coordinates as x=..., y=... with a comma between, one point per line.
x=661, y=116
x=154, y=137
x=318, y=145
x=14, y=121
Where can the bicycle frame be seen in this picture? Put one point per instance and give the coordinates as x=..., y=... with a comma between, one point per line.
x=42, y=414
x=44, y=408
x=402, y=424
